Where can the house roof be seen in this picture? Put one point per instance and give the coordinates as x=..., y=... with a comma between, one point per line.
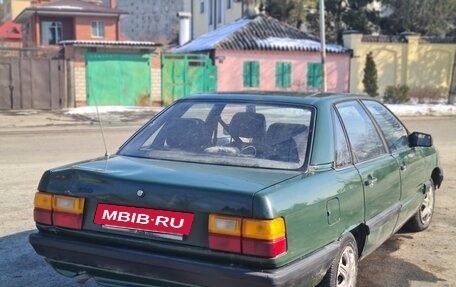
x=87, y=43
x=68, y=7
x=11, y=31
x=259, y=32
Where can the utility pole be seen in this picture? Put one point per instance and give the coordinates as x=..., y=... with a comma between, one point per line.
x=323, y=46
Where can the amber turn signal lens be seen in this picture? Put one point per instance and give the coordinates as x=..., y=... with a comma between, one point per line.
x=263, y=229
x=43, y=201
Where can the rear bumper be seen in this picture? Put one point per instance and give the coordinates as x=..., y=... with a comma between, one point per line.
x=115, y=265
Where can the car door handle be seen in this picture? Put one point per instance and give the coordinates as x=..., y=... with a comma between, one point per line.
x=370, y=181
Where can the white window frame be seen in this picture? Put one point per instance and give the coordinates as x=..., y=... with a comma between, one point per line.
x=51, y=30
x=98, y=29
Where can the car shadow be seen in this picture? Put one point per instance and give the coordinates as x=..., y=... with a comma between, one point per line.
x=381, y=268
x=20, y=266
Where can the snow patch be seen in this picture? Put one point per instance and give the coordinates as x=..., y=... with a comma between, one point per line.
x=297, y=44
x=399, y=110
x=109, y=109
x=423, y=109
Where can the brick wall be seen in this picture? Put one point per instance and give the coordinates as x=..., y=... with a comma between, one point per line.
x=156, y=81
x=80, y=90
x=84, y=28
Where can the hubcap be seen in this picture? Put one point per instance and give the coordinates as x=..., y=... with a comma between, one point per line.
x=346, y=272
x=427, y=207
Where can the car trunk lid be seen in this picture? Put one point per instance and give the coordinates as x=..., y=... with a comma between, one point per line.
x=176, y=193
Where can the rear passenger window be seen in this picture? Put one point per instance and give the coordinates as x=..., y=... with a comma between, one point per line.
x=394, y=132
x=364, y=139
x=342, y=152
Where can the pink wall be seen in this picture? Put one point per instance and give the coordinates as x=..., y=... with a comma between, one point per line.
x=230, y=66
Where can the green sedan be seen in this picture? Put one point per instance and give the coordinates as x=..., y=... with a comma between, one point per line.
x=253, y=190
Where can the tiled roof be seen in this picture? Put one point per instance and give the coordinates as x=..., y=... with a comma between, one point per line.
x=10, y=31
x=68, y=7
x=257, y=33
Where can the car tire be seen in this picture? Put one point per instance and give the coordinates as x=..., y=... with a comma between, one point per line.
x=344, y=268
x=422, y=218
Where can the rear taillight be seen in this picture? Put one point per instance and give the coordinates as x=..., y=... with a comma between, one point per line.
x=264, y=238
x=58, y=210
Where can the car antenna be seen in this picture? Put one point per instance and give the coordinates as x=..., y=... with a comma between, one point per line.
x=106, y=155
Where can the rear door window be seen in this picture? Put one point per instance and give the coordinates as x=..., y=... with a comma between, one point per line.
x=365, y=141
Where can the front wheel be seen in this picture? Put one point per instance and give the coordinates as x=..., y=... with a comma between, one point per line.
x=422, y=218
x=344, y=268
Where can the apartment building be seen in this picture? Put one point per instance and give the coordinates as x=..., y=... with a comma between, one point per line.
x=9, y=9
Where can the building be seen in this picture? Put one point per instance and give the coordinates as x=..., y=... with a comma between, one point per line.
x=9, y=9
x=149, y=20
x=50, y=22
x=261, y=53
x=157, y=20
x=208, y=15
x=10, y=35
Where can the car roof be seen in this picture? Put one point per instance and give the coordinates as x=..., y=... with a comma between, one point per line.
x=314, y=99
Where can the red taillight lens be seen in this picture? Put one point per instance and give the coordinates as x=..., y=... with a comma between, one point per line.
x=42, y=216
x=68, y=220
x=264, y=248
x=225, y=243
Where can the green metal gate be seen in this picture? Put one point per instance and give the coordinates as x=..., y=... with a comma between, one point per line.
x=118, y=79
x=186, y=74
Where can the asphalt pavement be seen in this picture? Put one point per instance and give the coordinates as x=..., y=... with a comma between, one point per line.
x=17, y=120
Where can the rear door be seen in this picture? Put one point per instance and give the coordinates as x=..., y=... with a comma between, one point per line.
x=378, y=170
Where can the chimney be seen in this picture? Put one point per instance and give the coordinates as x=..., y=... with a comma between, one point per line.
x=113, y=4
x=184, y=27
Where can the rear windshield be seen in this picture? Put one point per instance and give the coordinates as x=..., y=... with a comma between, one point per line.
x=227, y=133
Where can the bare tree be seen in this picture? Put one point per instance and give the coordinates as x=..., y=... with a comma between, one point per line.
x=427, y=17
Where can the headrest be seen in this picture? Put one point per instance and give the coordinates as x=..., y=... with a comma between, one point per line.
x=187, y=134
x=248, y=125
x=281, y=132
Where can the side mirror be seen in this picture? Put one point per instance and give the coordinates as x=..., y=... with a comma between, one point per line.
x=417, y=139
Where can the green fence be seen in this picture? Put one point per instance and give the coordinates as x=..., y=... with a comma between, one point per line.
x=186, y=74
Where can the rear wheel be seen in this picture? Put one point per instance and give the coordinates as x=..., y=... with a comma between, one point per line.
x=344, y=268
x=422, y=218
